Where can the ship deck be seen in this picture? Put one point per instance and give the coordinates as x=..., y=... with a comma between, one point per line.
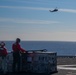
x=66, y=65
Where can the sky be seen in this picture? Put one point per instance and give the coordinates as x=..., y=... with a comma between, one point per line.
x=31, y=20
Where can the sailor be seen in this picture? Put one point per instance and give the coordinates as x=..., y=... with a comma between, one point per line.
x=3, y=54
x=16, y=55
x=3, y=50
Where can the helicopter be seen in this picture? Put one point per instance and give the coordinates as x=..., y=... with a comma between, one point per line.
x=55, y=10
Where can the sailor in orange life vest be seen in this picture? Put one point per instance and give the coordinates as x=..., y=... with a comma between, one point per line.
x=3, y=50
x=16, y=55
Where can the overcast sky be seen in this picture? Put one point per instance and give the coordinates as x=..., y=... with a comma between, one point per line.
x=31, y=20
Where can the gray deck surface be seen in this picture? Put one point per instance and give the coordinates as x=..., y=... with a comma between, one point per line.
x=66, y=61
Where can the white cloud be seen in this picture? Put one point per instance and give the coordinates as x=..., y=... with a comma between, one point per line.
x=38, y=22
x=25, y=21
x=68, y=10
x=39, y=8
x=31, y=8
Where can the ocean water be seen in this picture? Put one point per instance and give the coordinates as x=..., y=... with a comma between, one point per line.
x=62, y=48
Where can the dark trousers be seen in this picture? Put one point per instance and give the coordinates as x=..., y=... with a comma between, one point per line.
x=16, y=62
x=24, y=61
